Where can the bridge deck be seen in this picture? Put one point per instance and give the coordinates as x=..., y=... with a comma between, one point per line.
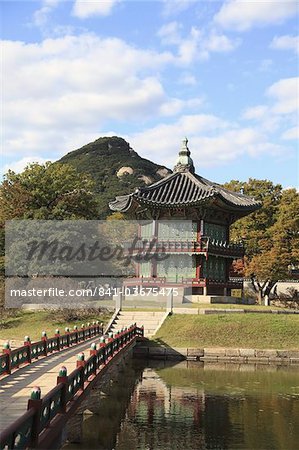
x=15, y=389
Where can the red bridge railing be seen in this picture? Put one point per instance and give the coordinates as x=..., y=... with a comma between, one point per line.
x=13, y=359
x=30, y=430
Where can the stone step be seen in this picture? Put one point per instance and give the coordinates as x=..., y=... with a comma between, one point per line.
x=134, y=319
x=139, y=319
x=141, y=314
x=139, y=322
x=150, y=320
x=136, y=316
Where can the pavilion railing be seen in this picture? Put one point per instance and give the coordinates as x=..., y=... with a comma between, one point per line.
x=232, y=282
x=203, y=245
x=26, y=430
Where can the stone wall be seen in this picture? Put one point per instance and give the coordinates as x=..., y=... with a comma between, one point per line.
x=239, y=355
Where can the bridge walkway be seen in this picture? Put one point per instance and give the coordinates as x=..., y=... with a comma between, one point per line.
x=15, y=389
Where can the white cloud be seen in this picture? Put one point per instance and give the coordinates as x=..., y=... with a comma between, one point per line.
x=256, y=112
x=188, y=79
x=170, y=33
x=220, y=43
x=189, y=48
x=84, y=9
x=40, y=16
x=19, y=166
x=172, y=7
x=197, y=44
x=242, y=15
x=291, y=133
x=56, y=91
x=286, y=43
x=286, y=93
x=281, y=111
x=175, y=106
x=212, y=141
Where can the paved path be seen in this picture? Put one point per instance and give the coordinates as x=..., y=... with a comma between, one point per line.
x=15, y=389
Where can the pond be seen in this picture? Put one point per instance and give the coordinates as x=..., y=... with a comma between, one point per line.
x=157, y=405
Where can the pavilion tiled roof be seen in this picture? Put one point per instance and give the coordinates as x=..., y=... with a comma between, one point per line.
x=184, y=188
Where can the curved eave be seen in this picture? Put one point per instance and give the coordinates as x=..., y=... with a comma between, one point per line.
x=122, y=203
x=241, y=209
x=233, y=199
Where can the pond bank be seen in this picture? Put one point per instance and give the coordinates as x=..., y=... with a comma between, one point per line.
x=238, y=355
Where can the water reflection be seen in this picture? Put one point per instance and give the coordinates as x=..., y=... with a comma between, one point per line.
x=190, y=406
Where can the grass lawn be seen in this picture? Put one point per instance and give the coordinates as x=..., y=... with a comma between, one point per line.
x=263, y=331
x=32, y=323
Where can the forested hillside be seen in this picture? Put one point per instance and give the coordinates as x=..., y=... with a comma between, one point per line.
x=115, y=168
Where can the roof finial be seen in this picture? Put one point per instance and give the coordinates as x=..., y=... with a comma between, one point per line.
x=184, y=162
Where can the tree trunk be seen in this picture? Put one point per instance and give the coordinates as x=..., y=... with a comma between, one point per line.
x=263, y=290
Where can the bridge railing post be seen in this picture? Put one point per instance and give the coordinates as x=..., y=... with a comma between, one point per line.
x=83, y=332
x=44, y=340
x=94, y=328
x=103, y=348
x=88, y=331
x=7, y=352
x=94, y=353
x=63, y=378
x=67, y=333
x=81, y=365
x=57, y=335
x=116, y=339
x=76, y=333
x=27, y=343
x=36, y=403
x=110, y=346
x=121, y=338
x=93, y=349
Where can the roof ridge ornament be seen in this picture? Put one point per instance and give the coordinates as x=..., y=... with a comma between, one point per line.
x=184, y=162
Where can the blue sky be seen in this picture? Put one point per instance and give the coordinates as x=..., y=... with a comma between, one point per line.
x=224, y=74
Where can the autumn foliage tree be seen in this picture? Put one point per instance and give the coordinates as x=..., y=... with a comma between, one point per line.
x=45, y=191
x=271, y=234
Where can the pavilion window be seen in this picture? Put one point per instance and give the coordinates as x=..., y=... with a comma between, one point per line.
x=176, y=267
x=146, y=230
x=145, y=269
x=176, y=230
x=215, y=231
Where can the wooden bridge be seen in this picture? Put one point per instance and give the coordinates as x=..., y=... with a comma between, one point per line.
x=39, y=372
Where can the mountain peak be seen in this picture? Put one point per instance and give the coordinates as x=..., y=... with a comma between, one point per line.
x=107, y=160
